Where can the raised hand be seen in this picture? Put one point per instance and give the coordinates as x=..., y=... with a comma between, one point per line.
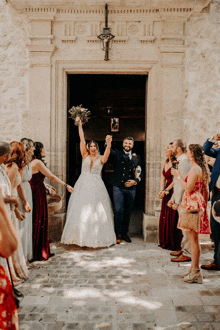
x=108, y=140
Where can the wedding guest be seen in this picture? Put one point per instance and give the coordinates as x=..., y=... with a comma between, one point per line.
x=214, y=187
x=8, y=245
x=169, y=235
x=5, y=185
x=178, y=150
x=25, y=200
x=195, y=197
x=14, y=169
x=41, y=248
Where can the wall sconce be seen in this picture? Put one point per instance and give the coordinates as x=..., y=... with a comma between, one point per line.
x=106, y=36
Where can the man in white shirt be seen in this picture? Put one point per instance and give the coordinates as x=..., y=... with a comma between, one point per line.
x=5, y=185
x=214, y=187
x=178, y=150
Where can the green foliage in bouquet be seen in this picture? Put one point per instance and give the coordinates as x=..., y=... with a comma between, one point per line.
x=79, y=112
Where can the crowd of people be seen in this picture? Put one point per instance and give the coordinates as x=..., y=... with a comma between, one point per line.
x=22, y=174
x=186, y=185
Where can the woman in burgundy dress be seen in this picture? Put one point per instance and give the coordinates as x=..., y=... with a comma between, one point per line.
x=41, y=248
x=169, y=235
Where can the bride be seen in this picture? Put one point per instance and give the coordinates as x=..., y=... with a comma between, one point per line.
x=89, y=215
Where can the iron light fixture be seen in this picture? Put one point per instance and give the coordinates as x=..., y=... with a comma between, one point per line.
x=106, y=36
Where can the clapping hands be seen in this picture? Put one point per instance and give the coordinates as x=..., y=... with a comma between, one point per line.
x=216, y=137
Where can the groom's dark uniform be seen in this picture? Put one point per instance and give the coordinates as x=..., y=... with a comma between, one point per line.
x=127, y=167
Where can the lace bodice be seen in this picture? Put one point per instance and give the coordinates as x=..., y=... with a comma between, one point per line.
x=96, y=168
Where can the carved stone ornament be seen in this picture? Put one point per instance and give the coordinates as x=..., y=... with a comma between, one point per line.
x=137, y=6
x=133, y=29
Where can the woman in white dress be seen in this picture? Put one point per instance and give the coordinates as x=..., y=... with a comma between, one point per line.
x=89, y=215
x=25, y=199
x=14, y=170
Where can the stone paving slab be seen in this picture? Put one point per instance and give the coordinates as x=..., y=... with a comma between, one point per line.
x=125, y=287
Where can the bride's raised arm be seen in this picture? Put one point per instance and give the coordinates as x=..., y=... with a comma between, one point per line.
x=108, y=140
x=83, y=149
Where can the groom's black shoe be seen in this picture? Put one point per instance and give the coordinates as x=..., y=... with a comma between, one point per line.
x=126, y=239
x=118, y=239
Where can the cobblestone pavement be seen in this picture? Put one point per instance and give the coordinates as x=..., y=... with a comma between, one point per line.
x=125, y=287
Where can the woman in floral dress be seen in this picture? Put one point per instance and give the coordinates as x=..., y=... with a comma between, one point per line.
x=195, y=197
x=8, y=244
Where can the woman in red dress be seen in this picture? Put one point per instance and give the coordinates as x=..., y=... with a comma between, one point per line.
x=195, y=197
x=41, y=248
x=8, y=244
x=169, y=235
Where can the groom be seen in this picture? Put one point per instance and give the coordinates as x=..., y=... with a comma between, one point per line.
x=126, y=176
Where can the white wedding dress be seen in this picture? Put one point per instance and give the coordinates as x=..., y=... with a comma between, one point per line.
x=89, y=215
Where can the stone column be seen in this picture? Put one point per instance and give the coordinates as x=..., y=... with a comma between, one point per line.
x=164, y=124
x=40, y=52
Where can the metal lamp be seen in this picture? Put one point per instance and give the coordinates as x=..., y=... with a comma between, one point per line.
x=106, y=36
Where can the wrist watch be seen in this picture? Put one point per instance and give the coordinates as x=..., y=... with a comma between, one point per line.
x=167, y=192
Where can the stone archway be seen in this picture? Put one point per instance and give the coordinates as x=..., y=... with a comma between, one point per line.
x=150, y=39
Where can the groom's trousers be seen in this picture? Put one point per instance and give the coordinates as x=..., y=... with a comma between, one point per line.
x=123, y=204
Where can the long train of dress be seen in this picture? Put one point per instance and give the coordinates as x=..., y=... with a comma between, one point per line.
x=89, y=215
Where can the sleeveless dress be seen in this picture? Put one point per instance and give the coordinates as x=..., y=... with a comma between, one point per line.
x=17, y=261
x=41, y=248
x=25, y=226
x=89, y=215
x=170, y=236
x=8, y=309
x=195, y=200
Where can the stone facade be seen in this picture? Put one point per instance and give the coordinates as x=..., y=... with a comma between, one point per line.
x=175, y=42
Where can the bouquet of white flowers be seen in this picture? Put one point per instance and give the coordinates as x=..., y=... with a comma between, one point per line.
x=77, y=113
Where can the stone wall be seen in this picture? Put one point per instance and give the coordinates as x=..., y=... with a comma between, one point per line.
x=14, y=65
x=202, y=76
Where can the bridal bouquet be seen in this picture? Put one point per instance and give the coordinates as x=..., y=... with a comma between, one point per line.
x=77, y=113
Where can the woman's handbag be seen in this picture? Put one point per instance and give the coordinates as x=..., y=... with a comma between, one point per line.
x=18, y=296
x=190, y=219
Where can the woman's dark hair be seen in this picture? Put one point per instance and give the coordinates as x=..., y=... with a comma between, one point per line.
x=172, y=157
x=199, y=157
x=89, y=144
x=217, y=208
x=18, y=155
x=37, y=152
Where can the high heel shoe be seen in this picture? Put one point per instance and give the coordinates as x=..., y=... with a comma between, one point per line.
x=196, y=278
x=187, y=273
